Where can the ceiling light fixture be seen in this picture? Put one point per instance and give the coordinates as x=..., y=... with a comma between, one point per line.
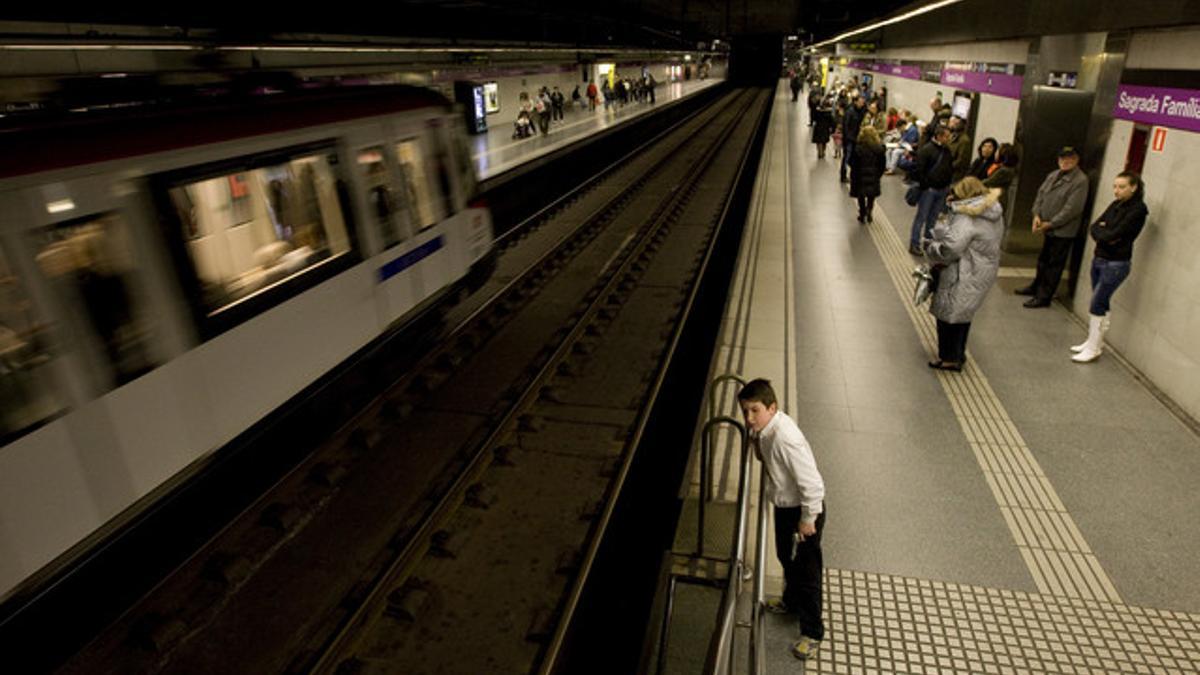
x=887, y=22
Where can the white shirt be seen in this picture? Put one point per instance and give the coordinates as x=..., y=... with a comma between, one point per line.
x=793, y=479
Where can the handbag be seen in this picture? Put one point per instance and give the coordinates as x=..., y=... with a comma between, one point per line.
x=924, y=286
x=913, y=194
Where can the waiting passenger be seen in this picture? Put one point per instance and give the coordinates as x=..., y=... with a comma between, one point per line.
x=1057, y=210
x=866, y=170
x=960, y=148
x=822, y=126
x=1114, y=232
x=797, y=491
x=965, y=248
x=1002, y=173
x=932, y=174
x=986, y=158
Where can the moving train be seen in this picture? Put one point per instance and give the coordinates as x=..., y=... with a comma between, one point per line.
x=170, y=274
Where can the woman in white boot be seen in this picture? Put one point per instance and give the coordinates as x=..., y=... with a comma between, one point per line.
x=1114, y=233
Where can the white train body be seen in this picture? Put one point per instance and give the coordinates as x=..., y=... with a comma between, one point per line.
x=155, y=304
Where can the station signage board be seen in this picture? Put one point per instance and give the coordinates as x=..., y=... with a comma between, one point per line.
x=1159, y=106
x=998, y=84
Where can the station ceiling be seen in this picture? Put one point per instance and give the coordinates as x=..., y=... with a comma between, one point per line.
x=670, y=24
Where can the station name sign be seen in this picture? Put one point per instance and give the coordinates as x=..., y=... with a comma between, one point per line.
x=1159, y=106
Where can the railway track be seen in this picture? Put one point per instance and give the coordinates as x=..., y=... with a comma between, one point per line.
x=445, y=531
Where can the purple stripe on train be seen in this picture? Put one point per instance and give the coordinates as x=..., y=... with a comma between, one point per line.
x=1159, y=106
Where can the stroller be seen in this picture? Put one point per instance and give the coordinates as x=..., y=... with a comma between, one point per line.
x=522, y=126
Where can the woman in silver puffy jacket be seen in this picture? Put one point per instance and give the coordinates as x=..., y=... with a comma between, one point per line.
x=966, y=247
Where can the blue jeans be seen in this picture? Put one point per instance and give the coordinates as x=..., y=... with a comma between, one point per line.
x=847, y=151
x=1107, y=275
x=930, y=205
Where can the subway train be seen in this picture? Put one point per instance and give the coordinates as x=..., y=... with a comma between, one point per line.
x=171, y=273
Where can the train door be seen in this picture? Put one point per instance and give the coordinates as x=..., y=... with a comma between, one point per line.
x=89, y=263
x=29, y=394
x=389, y=210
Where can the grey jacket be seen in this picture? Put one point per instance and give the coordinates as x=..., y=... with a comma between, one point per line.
x=968, y=244
x=1060, y=202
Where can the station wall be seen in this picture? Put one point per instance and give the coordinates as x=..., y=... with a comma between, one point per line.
x=997, y=114
x=1155, y=315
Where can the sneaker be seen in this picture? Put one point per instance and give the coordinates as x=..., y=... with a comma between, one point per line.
x=776, y=606
x=805, y=648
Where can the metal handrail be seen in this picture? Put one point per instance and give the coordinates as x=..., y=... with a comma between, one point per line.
x=720, y=648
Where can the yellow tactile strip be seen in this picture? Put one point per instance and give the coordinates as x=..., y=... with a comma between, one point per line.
x=1050, y=543
x=879, y=623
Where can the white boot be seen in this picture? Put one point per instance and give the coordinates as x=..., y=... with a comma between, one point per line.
x=1091, y=349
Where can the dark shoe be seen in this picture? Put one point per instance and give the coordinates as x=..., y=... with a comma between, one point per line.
x=869, y=218
x=915, y=250
x=944, y=365
x=1036, y=302
x=776, y=606
x=845, y=180
x=1028, y=290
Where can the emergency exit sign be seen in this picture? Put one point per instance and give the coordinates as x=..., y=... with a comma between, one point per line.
x=1159, y=139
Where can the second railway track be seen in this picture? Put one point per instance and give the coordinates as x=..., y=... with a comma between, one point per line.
x=446, y=530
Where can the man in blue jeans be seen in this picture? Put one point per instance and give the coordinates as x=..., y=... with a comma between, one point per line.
x=934, y=169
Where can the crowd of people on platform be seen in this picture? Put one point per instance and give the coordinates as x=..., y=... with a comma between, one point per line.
x=961, y=194
x=536, y=114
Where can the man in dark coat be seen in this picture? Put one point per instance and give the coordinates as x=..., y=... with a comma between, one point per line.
x=934, y=169
x=822, y=127
x=851, y=123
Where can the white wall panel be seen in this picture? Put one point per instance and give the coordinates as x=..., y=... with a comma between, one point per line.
x=1167, y=49
x=1155, y=314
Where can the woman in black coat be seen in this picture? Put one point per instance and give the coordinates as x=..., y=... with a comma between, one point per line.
x=866, y=170
x=822, y=127
x=987, y=157
x=1114, y=232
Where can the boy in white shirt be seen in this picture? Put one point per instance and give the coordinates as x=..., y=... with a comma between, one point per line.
x=796, y=489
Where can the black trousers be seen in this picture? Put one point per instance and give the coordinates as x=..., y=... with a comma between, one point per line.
x=952, y=341
x=802, y=573
x=865, y=205
x=1051, y=262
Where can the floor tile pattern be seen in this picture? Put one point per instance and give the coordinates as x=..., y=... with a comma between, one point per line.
x=889, y=624
x=1050, y=543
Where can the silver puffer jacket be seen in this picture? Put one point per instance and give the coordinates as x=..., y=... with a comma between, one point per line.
x=967, y=242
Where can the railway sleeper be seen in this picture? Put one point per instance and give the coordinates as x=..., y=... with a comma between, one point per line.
x=328, y=474
x=479, y=496
x=228, y=568
x=408, y=602
x=281, y=517
x=541, y=627
x=158, y=633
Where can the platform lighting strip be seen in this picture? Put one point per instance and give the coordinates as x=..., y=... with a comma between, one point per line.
x=1054, y=550
x=311, y=48
x=887, y=22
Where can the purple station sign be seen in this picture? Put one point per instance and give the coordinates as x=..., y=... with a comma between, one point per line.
x=1159, y=106
x=999, y=84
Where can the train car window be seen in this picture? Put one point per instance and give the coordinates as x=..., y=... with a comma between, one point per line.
x=387, y=206
x=251, y=228
x=415, y=183
x=28, y=396
x=90, y=264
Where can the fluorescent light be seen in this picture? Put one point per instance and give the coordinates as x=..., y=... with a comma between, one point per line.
x=887, y=22
x=60, y=206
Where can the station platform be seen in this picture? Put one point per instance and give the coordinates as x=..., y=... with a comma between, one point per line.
x=1028, y=514
x=496, y=151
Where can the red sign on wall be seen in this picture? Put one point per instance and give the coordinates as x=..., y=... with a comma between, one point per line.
x=1159, y=139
